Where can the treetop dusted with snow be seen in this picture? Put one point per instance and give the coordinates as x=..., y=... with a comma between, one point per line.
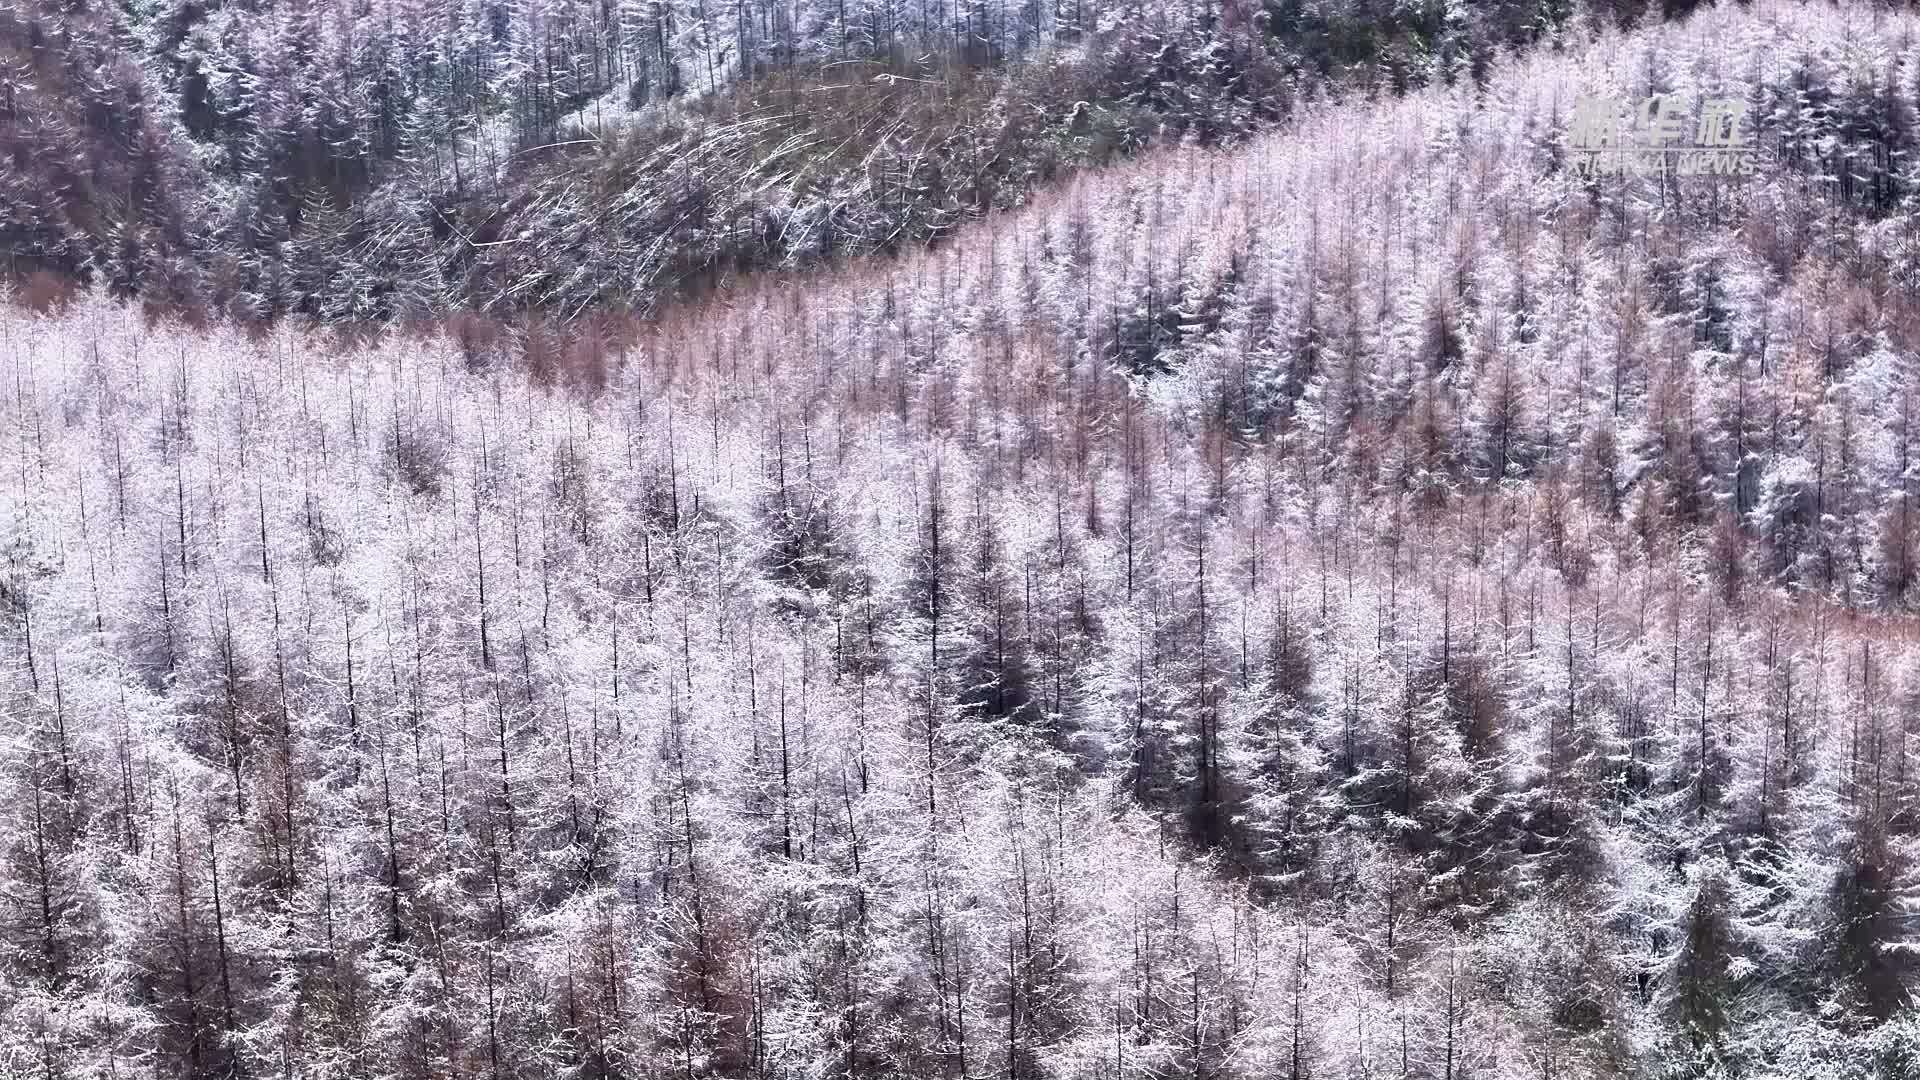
x=1368, y=601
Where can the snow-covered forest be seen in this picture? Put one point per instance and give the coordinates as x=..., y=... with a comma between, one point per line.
x=372, y=159
x=1364, y=601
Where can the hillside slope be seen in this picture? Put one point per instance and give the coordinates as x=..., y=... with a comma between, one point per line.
x=374, y=159
x=1370, y=603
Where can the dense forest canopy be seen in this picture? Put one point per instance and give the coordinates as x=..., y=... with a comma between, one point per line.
x=353, y=160
x=1367, y=600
